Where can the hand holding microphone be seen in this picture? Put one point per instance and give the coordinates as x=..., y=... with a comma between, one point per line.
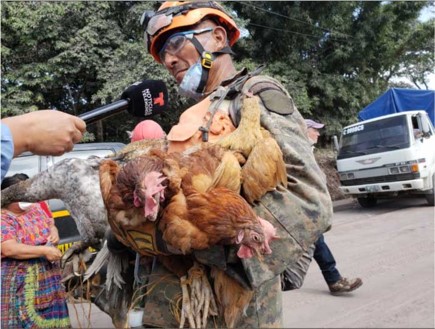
x=141, y=99
x=44, y=132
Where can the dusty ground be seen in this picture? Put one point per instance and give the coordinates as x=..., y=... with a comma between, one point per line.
x=326, y=160
x=391, y=248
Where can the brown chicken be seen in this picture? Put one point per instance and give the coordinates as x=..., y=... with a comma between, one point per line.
x=141, y=147
x=195, y=198
x=264, y=168
x=220, y=216
x=201, y=204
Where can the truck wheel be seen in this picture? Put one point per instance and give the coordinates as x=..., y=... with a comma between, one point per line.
x=368, y=202
x=430, y=196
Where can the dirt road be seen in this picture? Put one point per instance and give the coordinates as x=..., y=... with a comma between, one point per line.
x=391, y=248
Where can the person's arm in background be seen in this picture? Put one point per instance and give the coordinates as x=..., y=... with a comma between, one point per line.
x=45, y=132
x=13, y=249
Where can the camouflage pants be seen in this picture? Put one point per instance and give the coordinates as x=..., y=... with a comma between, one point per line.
x=264, y=311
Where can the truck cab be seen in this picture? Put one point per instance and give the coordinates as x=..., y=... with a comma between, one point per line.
x=388, y=156
x=31, y=164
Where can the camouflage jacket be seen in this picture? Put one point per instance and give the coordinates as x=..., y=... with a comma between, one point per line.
x=300, y=212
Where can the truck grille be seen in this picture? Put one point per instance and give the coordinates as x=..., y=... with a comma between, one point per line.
x=380, y=179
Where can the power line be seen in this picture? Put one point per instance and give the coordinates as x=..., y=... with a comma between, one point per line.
x=292, y=19
x=289, y=31
x=286, y=31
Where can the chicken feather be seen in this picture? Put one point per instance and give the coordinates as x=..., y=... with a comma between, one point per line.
x=232, y=298
x=264, y=167
x=248, y=133
x=260, y=175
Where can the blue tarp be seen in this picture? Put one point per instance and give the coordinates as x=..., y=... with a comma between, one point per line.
x=397, y=100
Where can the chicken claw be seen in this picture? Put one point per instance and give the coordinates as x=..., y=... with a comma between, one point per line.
x=186, y=310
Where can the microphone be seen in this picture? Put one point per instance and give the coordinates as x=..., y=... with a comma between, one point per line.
x=141, y=99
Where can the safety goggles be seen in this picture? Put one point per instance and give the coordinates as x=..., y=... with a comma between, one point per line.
x=177, y=41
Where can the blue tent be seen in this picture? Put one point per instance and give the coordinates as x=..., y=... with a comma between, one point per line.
x=397, y=100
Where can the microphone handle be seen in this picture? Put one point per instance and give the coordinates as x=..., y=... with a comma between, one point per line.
x=104, y=111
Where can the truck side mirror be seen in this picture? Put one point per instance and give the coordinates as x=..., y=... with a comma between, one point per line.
x=336, y=145
x=424, y=124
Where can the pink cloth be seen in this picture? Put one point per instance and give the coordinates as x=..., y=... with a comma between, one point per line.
x=147, y=129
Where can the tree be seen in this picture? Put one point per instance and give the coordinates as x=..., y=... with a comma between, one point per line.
x=336, y=57
x=74, y=57
x=333, y=57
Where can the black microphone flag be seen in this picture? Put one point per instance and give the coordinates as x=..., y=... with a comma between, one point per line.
x=141, y=99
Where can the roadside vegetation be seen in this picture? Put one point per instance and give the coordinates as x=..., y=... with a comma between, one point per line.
x=326, y=160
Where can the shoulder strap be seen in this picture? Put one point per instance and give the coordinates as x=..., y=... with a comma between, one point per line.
x=273, y=95
x=271, y=92
x=226, y=92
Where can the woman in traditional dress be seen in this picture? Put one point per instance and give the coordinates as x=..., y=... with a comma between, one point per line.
x=31, y=292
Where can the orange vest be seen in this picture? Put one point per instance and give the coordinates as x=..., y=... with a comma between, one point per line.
x=186, y=133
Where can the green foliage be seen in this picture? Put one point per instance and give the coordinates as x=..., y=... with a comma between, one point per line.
x=334, y=58
x=337, y=57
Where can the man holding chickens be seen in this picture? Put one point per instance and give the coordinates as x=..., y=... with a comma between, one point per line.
x=193, y=41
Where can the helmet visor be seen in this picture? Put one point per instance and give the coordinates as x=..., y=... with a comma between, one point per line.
x=152, y=23
x=158, y=22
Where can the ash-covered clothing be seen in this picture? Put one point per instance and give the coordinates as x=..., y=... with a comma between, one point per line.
x=31, y=292
x=300, y=212
x=7, y=149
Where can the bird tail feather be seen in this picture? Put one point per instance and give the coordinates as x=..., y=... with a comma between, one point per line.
x=99, y=261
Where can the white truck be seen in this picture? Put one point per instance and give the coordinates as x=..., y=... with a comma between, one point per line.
x=386, y=155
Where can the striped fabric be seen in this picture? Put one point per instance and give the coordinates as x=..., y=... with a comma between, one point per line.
x=31, y=295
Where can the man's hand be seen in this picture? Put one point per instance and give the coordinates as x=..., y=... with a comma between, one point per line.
x=45, y=132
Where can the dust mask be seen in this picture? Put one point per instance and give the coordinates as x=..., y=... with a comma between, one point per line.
x=24, y=205
x=191, y=80
x=195, y=79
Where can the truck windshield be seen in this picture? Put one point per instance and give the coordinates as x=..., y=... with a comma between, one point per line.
x=374, y=137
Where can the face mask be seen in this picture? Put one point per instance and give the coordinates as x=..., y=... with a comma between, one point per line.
x=24, y=205
x=191, y=80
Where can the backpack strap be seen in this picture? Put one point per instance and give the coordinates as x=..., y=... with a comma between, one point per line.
x=226, y=92
x=273, y=95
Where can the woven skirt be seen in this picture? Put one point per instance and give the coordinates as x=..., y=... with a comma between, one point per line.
x=32, y=295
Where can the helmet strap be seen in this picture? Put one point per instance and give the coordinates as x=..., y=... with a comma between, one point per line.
x=207, y=59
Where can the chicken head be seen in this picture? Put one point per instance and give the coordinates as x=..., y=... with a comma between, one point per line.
x=256, y=242
x=149, y=193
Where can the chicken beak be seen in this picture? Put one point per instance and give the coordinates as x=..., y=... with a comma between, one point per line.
x=151, y=208
x=258, y=254
x=265, y=248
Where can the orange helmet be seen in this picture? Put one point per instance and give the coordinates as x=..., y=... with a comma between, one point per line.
x=179, y=14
